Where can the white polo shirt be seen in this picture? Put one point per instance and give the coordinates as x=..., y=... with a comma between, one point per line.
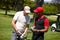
x=21, y=20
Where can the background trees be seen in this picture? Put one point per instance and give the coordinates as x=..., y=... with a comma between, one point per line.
x=58, y=4
x=16, y=5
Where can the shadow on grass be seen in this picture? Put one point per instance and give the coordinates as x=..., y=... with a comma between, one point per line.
x=7, y=15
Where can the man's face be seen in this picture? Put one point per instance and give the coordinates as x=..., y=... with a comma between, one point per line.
x=25, y=13
x=39, y=14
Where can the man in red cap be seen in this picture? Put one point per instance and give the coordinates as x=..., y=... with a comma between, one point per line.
x=41, y=24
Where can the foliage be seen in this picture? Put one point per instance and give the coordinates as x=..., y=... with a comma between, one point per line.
x=18, y=4
x=50, y=9
x=30, y=3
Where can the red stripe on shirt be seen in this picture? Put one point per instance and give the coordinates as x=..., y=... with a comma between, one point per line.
x=46, y=22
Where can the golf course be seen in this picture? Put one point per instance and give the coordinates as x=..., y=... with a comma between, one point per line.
x=6, y=27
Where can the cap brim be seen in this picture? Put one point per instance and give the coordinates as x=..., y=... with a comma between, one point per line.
x=35, y=11
x=27, y=11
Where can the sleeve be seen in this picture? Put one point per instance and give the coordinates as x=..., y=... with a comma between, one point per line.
x=28, y=20
x=16, y=16
x=46, y=23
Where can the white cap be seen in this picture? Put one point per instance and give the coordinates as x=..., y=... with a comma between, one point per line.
x=27, y=9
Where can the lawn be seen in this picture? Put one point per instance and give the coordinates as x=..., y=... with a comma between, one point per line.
x=6, y=29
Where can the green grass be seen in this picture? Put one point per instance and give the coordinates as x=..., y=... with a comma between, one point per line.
x=52, y=35
x=6, y=29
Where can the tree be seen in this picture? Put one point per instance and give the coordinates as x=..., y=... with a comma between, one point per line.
x=19, y=4
x=11, y=4
x=58, y=4
x=5, y=5
x=39, y=3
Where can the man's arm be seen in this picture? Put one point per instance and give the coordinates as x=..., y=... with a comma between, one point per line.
x=43, y=30
x=46, y=26
x=14, y=26
x=27, y=24
x=27, y=27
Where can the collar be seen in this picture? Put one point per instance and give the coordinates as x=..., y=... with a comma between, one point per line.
x=40, y=17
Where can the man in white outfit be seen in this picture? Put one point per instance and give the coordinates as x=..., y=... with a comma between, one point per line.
x=20, y=23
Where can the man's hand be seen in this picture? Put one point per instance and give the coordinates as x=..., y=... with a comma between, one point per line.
x=38, y=30
x=18, y=31
x=34, y=30
x=22, y=36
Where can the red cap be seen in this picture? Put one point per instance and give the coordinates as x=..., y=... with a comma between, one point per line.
x=39, y=9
